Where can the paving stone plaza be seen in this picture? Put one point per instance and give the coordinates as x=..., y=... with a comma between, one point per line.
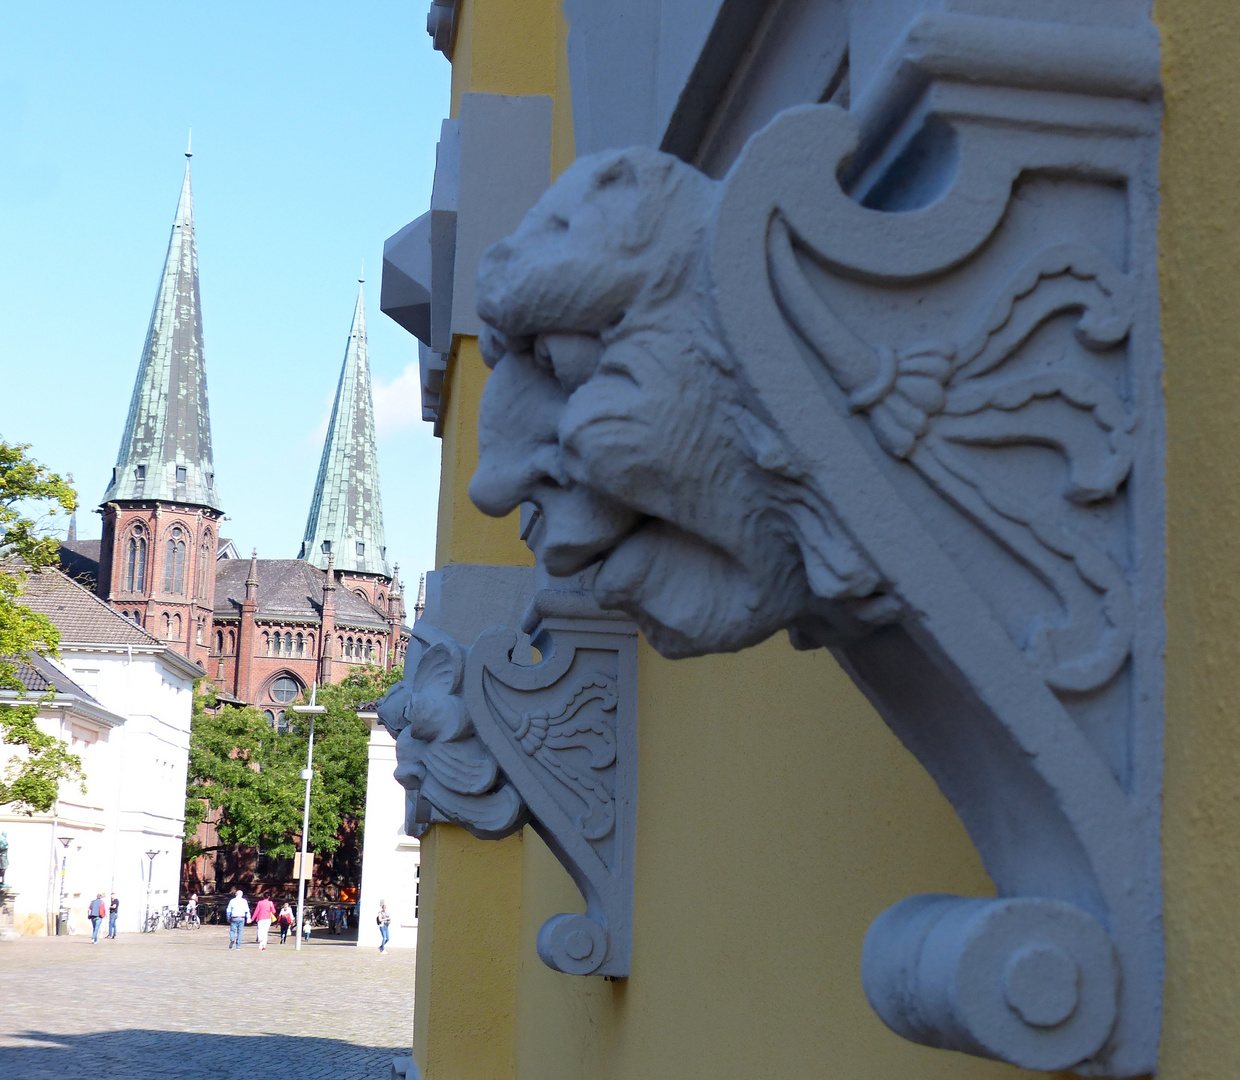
x=178, y=1004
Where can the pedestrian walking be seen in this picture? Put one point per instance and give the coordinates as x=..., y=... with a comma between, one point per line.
x=114, y=907
x=307, y=919
x=96, y=912
x=384, y=920
x=287, y=918
x=238, y=914
x=264, y=912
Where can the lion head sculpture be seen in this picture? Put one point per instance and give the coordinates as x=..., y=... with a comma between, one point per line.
x=615, y=408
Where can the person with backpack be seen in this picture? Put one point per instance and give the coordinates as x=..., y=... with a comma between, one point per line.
x=384, y=920
x=287, y=918
x=96, y=912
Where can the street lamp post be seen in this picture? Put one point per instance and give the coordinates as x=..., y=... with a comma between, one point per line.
x=62, y=913
x=312, y=710
x=150, y=871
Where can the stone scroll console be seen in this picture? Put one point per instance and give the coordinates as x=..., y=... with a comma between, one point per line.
x=492, y=745
x=892, y=385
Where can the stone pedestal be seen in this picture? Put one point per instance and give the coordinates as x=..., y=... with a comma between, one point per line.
x=8, y=898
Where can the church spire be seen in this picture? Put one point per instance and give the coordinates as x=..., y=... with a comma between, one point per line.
x=346, y=514
x=165, y=451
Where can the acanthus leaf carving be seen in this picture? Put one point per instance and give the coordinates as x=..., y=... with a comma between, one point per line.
x=492, y=745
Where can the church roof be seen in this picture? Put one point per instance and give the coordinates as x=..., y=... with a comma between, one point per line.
x=289, y=589
x=346, y=514
x=80, y=616
x=80, y=560
x=165, y=451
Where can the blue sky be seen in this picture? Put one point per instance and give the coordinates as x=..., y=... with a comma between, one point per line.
x=314, y=139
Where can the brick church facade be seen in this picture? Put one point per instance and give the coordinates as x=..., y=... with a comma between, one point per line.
x=265, y=630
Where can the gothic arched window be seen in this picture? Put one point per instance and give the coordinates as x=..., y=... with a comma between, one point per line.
x=288, y=644
x=176, y=627
x=232, y=643
x=301, y=645
x=135, y=561
x=267, y=643
x=167, y=624
x=174, y=565
x=219, y=642
x=310, y=644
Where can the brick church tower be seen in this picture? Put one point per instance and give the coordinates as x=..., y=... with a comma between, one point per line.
x=161, y=510
x=345, y=524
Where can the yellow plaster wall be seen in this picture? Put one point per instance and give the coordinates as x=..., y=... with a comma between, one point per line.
x=1199, y=251
x=467, y=956
x=465, y=534
x=469, y=930
x=777, y=816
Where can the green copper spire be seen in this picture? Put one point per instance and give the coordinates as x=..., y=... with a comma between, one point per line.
x=346, y=515
x=165, y=451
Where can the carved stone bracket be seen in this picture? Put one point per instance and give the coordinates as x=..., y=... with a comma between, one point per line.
x=893, y=385
x=491, y=745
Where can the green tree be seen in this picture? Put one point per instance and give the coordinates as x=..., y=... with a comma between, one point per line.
x=249, y=773
x=30, y=497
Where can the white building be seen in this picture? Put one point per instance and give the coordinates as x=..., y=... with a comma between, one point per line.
x=122, y=700
x=390, y=859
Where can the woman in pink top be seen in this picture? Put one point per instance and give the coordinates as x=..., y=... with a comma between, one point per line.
x=263, y=914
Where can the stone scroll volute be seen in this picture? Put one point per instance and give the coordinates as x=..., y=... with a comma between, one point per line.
x=918, y=422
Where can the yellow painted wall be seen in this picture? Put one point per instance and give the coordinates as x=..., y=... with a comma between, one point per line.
x=777, y=816
x=469, y=931
x=465, y=534
x=1199, y=252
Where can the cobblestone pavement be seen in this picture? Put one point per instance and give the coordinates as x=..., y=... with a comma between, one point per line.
x=178, y=1004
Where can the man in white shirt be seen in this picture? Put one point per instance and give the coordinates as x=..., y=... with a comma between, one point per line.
x=238, y=912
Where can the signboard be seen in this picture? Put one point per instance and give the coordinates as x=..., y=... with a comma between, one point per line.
x=297, y=865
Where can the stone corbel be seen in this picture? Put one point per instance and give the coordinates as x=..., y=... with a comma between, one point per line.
x=491, y=745
x=913, y=416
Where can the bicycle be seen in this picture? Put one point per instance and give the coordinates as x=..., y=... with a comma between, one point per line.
x=190, y=920
x=151, y=923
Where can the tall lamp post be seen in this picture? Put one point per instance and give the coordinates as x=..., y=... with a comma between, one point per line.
x=312, y=710
x=150, y=872
x=62, y=913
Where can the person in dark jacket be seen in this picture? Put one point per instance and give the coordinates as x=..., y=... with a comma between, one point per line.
x=114, y=907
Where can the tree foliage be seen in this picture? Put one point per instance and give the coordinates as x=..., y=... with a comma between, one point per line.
x=30, y=497
x=249, y=773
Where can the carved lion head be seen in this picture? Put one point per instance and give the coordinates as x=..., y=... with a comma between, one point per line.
x=614, y=407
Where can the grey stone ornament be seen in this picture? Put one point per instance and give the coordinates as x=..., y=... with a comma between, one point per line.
x=892, y=384
x=491, y=745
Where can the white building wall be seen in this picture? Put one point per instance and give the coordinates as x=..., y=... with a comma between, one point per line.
x=134, y=800
x=390, y=859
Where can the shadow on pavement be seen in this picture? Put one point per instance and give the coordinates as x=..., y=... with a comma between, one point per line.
x=139, y=1054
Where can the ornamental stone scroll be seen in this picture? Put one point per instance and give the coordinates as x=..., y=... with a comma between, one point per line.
x=912, y=414
x=489, y=743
